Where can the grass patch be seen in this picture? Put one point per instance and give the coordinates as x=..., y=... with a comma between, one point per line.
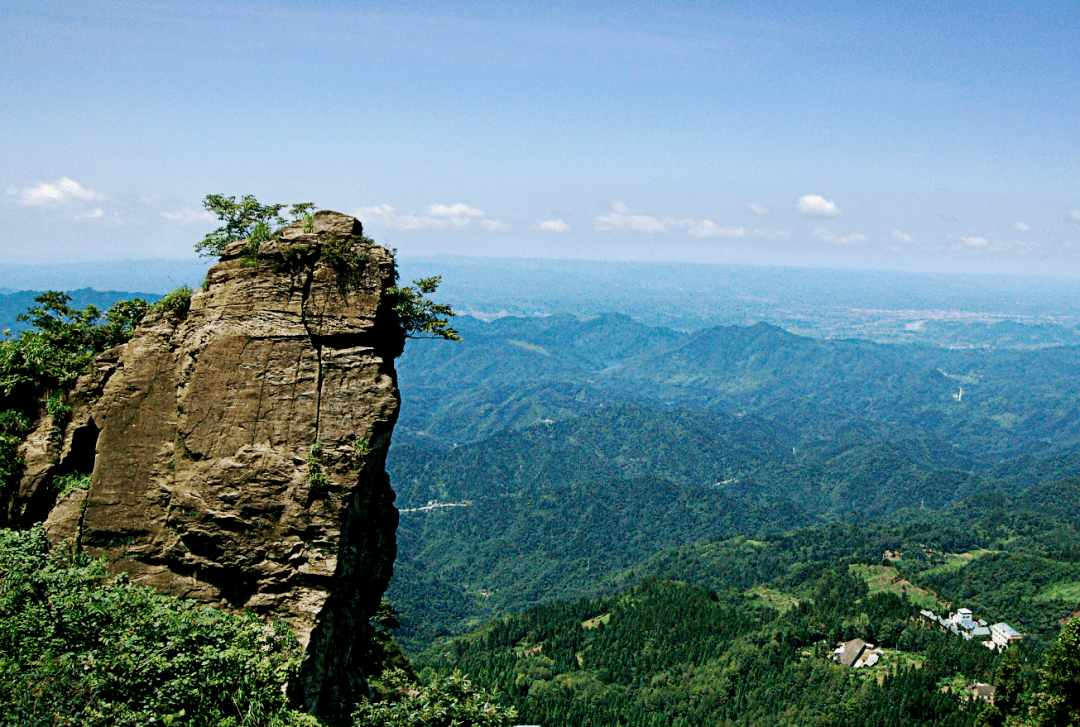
x=530, y=347
x=891, y=661
x=592, y=623
x=782, y=602
x=881, y=578
x=1068, y=592
x=955, y=561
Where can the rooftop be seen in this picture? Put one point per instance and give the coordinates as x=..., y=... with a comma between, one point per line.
x=1006, y=629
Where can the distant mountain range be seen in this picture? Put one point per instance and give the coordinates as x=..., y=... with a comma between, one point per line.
x=947, y=310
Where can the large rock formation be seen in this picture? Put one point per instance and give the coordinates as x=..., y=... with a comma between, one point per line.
x=240, y=447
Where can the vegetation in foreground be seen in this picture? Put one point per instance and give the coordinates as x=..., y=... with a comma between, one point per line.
x=80, y=646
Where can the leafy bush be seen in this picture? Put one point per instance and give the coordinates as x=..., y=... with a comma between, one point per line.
x=316, y=476
x=66, y=484
x=78, y=647
x=450, y=701
x=176, y=303
x=340, y=252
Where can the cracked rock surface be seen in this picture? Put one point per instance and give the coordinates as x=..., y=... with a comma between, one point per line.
x=240, y=449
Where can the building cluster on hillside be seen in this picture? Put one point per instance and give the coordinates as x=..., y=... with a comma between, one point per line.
x=998, y=636
x=856, y=654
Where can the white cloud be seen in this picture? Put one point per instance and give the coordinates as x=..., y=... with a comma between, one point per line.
x=553, y=226
x=707, y=228
x=814, y=205
x=494, y=225
x=188, y=217
x=773, y=234
x=453, y=210
x=1020, y=247
x=1022, y=227
x=756, y=208
x=435, y=217
x=621, y=219
x=902, y=237
x=1074, y=214
x=827, y=236
x=62, y=192
x=92, y=214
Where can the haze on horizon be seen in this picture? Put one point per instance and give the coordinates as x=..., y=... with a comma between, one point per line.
x=929, y=137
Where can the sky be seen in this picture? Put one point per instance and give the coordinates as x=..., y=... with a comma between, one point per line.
x=917, y=136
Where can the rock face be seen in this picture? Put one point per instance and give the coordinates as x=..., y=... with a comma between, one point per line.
x=240, y=448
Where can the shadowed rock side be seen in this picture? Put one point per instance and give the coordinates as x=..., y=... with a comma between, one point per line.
x=240, y=449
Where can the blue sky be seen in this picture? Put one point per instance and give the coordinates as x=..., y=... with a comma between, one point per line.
x=922, y=136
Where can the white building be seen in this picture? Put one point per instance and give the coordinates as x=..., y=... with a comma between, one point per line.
x=961, y=615
x=1003, y=634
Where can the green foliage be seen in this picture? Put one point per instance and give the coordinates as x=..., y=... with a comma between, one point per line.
x=341, y=253
x=450, y=701
x=316, y=476
x=1058, y=702
x=304, y=212
x=66, y=484
x=250, y=253
x=243, y=221
x=58, y=410
x=60, y=413
x=348, y=262
x=42, y=364
x=421, y=317
x=248, y=220
x=54, y=355
x=80, y=648
x=295, y=256
x=1014, y=680
x=175, y=303
x=13, y=427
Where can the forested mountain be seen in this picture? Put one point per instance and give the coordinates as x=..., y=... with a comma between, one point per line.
x=989, y=404
x=555, y=510
x=546, y=458
x=665, y=653
x=740, y=631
